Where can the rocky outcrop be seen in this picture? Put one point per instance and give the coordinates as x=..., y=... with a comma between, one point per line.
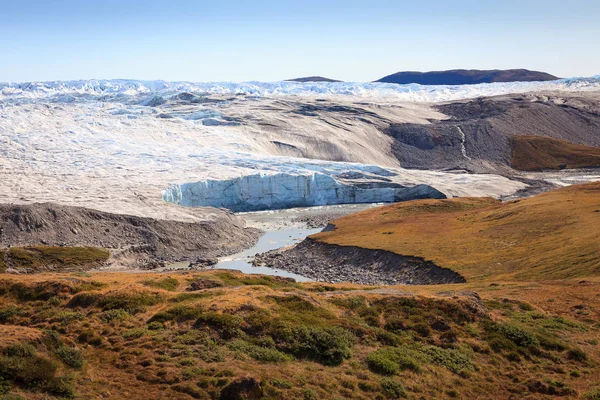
x=287, y=190
x=332, y=263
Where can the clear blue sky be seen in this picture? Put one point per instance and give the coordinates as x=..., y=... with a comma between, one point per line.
x=242, y=40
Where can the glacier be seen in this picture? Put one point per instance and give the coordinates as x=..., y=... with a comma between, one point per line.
x=259, y=192
x=140, y=147
x=154, y=91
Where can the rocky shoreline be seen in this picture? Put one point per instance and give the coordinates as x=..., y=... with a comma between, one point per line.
x=334, y=264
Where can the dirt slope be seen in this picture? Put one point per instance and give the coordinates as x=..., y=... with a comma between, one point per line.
x=477, y=134
x=127, y=236
x=534, y=153
x=550, y=236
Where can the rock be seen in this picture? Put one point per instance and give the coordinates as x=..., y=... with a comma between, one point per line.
x=242, y=389
x=203, y=263
x=331, y=263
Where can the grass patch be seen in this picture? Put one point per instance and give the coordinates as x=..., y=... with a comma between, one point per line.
x=38, y=257
x=169, y=284
x=515, y=333
x=593, y=394
x=510, y=240
x=182, y=297
x=21, y=365
x=389, y=360
x=260, y=353
x=326, y=345
x=133, y=303
x=179, y=313
x=70, y=356
x=231, y=279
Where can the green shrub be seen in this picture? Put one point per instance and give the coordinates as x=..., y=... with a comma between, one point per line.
x=309, y=394
x=156, y=326
x=170, y=284
x=389, y=360
x=179, y=313
x=326, y=345
x=66, y=317
x=232, y=279
x=577, y=355
x=575, y=374
x=593, y=394
x=366, y=386
x=54, y=301
x=133, y=303
x=84, y=300
x=515, y=334
x=11, y=397
x=22, y=350
x=382, y=363
x=51, y=339
x=4, y=386
x=114, y=315
x=134, y=333
x=393, y=389
x=190, y=390
x=422, y=329
x=27, y=370
x=453, y=359
x=525, y=306
x=259, y=353
x=70, y=356
x=549, y=342
x=6, y=314
x=181, y=297
x=226, y=324
x=281, y=384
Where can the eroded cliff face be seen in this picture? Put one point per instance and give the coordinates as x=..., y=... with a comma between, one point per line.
x=286, y=190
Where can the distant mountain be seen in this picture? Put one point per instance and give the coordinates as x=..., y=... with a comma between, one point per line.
x=467, y=77
x=312, y=79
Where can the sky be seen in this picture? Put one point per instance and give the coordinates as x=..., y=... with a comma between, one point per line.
x=271, y=40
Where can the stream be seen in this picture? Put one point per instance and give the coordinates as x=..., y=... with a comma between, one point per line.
x=282, y=228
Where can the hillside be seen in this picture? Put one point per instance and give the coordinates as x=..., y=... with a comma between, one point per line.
x=479, y=135
x=223, y=335
x=466, y=77
x=533, y=153
x=131, y=240
x=554, y=235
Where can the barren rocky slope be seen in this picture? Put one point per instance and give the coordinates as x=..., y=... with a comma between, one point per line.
x=131, y=240
x=477, y=133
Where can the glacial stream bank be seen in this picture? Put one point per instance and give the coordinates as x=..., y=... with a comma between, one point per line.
x=283, y=229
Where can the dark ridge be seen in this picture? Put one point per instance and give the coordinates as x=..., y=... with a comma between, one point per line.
x=312, y=79
x=467, y=77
